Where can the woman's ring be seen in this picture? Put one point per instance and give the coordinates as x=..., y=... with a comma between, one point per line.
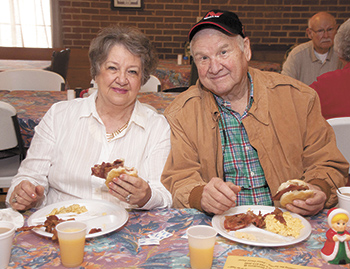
x=127, y=198
x=14, y=200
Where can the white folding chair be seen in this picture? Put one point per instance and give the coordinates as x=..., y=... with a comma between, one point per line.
x=12, y=151
x=152, y=85
x=341, y=127
x=31, y=79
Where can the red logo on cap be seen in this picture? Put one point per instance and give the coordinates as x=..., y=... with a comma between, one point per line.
x=212, y=14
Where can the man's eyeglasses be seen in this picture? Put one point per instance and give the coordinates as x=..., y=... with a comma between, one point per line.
x=321, y=32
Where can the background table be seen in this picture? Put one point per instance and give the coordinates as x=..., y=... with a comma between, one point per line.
x=23, y=64
x=172, y=75
x=31, y=106
x=120, y=249
x=169, y=73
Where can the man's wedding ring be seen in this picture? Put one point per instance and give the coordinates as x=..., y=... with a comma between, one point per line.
x=14, y=200
x=127, y=198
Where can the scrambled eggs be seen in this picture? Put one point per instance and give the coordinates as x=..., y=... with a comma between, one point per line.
x=293, y=227
x=75, y=208
x=247, y=236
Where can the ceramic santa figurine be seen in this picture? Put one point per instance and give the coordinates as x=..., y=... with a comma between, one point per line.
x=336, y=250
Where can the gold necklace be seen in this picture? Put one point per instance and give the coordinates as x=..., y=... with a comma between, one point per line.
x=117, y=132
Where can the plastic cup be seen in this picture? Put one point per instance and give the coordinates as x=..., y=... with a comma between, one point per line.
x=179, y=59
x=7, y=231
x=70, y=94
x=344, y=198
x=201, y=241
x=71, y=238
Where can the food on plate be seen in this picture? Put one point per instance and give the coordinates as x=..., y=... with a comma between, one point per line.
x=75, y=208
x=292, y=227
x=95, y=230
x=246, y=236
x=109, y=171
x=294, y=189
x=278, y=222
x=50, y=225
x=242, y=220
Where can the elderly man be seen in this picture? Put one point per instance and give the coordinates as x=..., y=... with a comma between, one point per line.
x=309, y=60
x=333, y=87
x=241, y=132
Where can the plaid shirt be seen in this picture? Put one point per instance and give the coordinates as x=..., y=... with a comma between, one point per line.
x=241, y=162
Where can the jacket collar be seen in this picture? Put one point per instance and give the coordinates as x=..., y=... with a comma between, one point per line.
x=259, y=109
x=210, y=101
x=263, y=82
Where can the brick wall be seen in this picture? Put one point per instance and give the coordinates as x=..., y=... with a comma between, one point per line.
x=268, y=23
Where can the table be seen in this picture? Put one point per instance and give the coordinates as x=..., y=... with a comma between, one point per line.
x=172, y=75
x=23, y=64
x=31, y=106
x=120, y=249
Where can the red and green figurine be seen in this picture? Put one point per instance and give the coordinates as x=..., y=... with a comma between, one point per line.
x=336, y=249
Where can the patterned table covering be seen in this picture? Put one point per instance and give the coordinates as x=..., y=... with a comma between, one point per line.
x=170, y=74
x=31, y=106
x=173, y=75
x=120, y=249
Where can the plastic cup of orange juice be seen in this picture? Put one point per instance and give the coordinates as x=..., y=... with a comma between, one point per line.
x=71, y=238
x=201, y=241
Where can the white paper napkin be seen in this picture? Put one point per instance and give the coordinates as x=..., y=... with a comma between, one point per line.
x=9, y=214
x=154, y=238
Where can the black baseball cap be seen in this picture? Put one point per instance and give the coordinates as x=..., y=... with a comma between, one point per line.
x=225, y=21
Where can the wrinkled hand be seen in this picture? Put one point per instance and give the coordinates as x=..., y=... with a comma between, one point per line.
x=311, y=206
x=133, y=190
x=25, y=195
x=219, y=196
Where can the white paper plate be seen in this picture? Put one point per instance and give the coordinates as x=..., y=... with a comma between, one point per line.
x=263, y=238
x=117, y=216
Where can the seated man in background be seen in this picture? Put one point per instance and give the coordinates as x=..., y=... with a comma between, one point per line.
x=333, y=87
x=241, y=132
x=309, y=60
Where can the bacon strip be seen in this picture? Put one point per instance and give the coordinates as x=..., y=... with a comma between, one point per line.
x=242, y=220
x=101, y=170
x=290, y=188
x=50, y=225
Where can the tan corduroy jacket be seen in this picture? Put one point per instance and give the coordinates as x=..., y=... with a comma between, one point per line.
x=284, y=125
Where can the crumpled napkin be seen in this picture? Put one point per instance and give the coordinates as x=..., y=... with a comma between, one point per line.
x=154, y=238
x=9, y=214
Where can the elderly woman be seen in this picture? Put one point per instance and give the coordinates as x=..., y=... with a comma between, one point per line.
x=333, y=87
x=110, y=124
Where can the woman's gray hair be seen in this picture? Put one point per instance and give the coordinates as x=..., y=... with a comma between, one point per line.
x=342, y=41
x=132, y=39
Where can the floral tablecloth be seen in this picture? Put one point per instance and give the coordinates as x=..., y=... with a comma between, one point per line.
x=31, y=106
x=120, y=249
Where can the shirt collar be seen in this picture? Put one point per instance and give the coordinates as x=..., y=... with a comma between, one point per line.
x=313, y=55
x=138, y=115
x=226, y=104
